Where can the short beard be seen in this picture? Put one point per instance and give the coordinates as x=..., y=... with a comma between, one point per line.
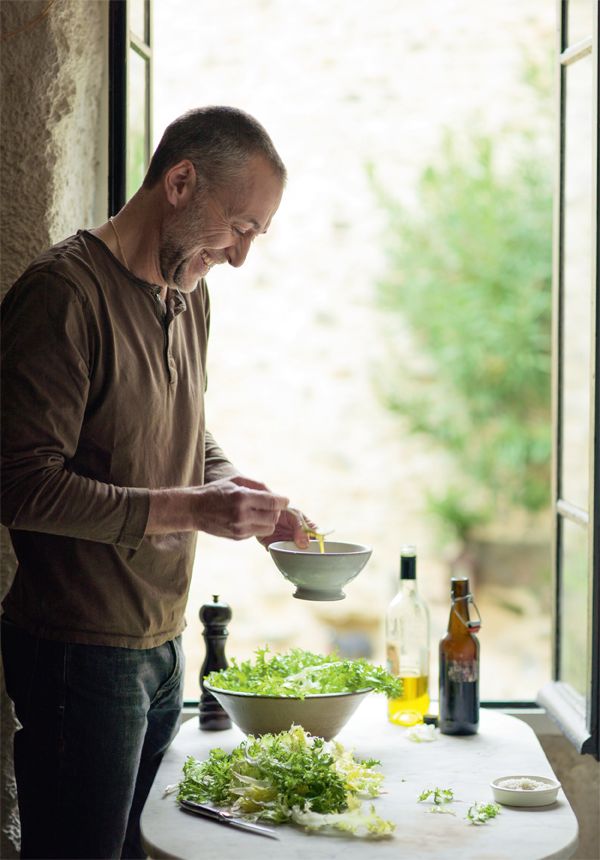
x=178, y=276
x=171, y=262
x=172, y=255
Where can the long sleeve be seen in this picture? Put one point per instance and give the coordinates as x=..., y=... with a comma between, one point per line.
x=48, y=347
x=216, y=464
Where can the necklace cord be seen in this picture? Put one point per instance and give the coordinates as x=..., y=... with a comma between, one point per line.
x=119, y=246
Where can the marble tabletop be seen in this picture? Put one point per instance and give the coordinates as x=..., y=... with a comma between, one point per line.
x=504, y=746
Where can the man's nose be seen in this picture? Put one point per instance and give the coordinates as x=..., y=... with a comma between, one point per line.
x=236, y=254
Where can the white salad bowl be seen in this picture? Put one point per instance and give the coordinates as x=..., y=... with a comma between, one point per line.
x=320, y=575
x=506, y=790
x=322, y=715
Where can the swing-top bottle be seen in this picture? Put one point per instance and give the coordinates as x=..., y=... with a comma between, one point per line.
x=459, y=665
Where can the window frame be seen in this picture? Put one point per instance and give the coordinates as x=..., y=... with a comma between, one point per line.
x=576, y=716
x=581, y=726
x=122, y=40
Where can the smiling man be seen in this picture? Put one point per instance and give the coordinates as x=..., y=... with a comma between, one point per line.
x=109, y=473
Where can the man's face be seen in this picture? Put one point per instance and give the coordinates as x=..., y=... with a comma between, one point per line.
x=219, y=227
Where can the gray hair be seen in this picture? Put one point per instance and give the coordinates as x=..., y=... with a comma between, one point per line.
x=218, y=141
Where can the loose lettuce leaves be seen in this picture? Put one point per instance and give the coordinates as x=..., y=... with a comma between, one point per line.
x=356, y=821
x=291, y=776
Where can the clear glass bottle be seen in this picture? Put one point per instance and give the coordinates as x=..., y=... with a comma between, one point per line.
x=407, y=644
x=459, y=665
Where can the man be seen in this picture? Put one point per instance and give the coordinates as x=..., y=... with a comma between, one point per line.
x=108, y=474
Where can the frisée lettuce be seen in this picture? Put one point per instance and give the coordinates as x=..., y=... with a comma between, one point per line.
x=290, y=777
x=299, y=673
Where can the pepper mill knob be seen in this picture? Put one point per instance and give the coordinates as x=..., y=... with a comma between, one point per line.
x=214, y=616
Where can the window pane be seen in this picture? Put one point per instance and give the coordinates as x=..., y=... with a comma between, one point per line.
x=136, y=121
x=581, y=20
x=573, y=617
x=137, y=19
x=334, y=446
x=577, y=284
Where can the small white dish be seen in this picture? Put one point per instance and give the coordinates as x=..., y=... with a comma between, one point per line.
x=507, y=790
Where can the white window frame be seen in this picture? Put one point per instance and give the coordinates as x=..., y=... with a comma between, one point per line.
x=576, y=715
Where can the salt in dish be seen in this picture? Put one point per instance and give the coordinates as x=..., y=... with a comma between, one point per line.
x=525, y=790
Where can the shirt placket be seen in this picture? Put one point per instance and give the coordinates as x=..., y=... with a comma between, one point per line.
x=168, y=310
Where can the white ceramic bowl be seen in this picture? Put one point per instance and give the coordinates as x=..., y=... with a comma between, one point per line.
x=542, y=796
x=317, y=575
x=322, y=715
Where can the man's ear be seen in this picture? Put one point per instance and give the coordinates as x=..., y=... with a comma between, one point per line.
x=179, y=183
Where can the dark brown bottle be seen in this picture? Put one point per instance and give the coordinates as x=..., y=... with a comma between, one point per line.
x=459, y=666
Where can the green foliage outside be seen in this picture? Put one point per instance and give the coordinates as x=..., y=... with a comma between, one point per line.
x=469, y=271
x=136, y=160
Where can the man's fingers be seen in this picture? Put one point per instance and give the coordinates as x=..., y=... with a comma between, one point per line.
x=301, y=538
x=263, y=500
x=242, y=481
x=257, y=512
x=232, y=508
x=261, y=496
x=254, y=528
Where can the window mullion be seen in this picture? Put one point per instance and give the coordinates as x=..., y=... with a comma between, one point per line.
x=557, y=331
x=577, y=715
x=572, y=512
x=593, y=704
x=117, y=131
x=576, y=52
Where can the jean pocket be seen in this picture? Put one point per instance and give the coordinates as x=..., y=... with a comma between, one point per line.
x=173, y=684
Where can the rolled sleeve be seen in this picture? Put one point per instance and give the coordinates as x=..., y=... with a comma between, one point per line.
x=138, y=509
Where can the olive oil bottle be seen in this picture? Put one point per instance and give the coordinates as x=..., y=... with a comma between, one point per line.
x=407, y=645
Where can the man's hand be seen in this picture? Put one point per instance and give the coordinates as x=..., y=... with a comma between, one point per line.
x=290, y=526
x=235, y=507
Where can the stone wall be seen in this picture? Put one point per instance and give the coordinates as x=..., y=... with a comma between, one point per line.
x=53, y=179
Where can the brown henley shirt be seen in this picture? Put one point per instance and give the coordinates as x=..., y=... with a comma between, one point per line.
x=102, y=400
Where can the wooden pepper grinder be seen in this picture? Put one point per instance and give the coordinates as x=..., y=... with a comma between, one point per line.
x=214, y=616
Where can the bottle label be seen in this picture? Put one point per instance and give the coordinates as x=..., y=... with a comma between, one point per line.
x=463, y=671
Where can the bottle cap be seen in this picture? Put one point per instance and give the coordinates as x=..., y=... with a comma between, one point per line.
x=459, y=586
x=408, y=562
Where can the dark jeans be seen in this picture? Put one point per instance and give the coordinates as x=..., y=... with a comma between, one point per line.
x=96, y=721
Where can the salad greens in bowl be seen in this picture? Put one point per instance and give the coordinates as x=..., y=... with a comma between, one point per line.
x=275, y=691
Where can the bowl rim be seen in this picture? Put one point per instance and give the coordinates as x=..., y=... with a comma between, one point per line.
x=243, y=694
x=363, y=548
x=552, y=784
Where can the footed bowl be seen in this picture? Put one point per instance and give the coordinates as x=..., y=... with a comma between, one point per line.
x=317, y=575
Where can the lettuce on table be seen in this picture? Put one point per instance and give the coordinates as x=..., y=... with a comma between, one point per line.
x=290, y=777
